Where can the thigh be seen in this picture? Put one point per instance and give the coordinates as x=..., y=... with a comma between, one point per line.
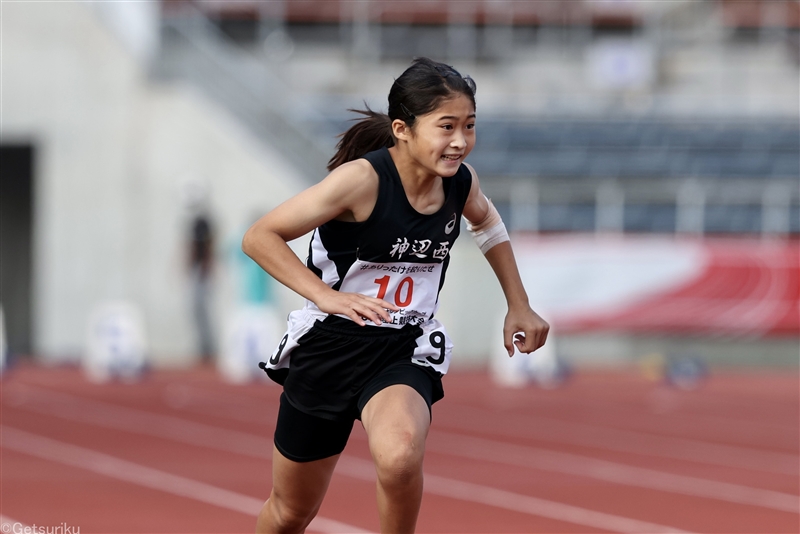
x=305, y=453
x=396, y=415
x=299, y=487
x=301, y=437
x=332, y=364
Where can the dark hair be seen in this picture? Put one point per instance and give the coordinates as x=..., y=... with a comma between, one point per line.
x=419, y=90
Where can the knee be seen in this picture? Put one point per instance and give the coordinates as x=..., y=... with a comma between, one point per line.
x=399, y=463
x=283, y=517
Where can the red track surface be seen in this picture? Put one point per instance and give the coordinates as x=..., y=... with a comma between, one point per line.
x=184, y=452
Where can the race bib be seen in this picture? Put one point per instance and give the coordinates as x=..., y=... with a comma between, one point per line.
x=434, y=347
x=300, y=322
x=412, y=287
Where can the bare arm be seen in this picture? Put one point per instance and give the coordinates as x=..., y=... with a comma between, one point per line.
x=523, y=327
x=347, y=192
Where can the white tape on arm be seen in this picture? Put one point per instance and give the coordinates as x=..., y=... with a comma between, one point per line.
x=490, y=231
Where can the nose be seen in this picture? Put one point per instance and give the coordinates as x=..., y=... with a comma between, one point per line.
x=458, y=141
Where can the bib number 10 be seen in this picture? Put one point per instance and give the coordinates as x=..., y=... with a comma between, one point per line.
x=402, y=295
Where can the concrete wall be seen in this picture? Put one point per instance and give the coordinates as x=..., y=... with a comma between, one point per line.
x=113, y=151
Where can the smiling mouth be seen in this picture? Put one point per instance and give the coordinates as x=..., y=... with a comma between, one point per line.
x=451, y=158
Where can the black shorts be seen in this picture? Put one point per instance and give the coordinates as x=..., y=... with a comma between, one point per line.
x=336, y=369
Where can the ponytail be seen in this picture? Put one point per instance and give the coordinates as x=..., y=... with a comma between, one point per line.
x=418, y=91
x=370, y=133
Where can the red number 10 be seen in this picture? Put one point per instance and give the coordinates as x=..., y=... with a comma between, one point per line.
x=383, y=285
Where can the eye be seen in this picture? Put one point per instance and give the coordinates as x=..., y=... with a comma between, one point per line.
x=471, y=126
x=447, y=126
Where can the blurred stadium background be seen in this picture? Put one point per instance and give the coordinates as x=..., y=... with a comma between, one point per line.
x=644, y=154
x=671, y=123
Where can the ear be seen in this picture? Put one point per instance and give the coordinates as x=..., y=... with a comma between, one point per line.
x=401, y=130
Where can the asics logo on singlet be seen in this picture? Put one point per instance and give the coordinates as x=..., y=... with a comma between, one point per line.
x=450, y=225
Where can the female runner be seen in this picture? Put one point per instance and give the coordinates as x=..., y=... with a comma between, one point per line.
x=367, y=345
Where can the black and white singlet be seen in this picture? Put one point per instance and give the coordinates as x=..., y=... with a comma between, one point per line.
x=397, y=254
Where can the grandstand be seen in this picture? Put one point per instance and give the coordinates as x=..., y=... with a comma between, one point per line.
x=567, y=160
x=649, y=119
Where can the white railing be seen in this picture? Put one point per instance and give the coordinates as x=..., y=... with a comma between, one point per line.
x=246, y=85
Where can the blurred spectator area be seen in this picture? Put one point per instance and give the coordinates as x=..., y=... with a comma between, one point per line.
x=640, y=175
x=337, y=20
x=621, y=13
x=581, y=158
x=760, y=14
x=645, y=175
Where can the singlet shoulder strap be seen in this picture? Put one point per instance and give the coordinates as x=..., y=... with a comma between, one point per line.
x=388, y=182
x=462, y=184
x=382, y=162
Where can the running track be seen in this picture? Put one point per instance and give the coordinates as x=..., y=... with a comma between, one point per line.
x=610, y=452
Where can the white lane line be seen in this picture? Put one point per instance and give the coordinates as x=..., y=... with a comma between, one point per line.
x=573, y=464
x=198, y=434
x=477, y=493
x=348, y=466
x=547, y=429
x=645, y=421
x=73, y=408
x=558, y=431
x=241, y=408
x=599, y=437
x=110, y=466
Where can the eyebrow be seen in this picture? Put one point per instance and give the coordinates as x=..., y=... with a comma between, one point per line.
x=453, y=117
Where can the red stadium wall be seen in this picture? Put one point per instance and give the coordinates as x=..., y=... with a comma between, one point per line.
x=724, y=287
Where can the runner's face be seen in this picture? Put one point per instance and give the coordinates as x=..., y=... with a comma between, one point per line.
x=442, y=138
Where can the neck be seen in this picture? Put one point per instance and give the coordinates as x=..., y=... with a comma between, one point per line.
x=416, y=179
x=423, y=189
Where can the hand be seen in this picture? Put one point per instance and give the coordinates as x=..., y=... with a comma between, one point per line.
x=357, y=307
x=524, y=329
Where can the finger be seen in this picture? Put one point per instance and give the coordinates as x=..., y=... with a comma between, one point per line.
x=380, y=307
x=379, y=319
x=530, y=342
x=543, y=338
x=381, y=303
x=508, y=342
x=545, y=330
x=377, y=311
x=520, y=340
x=368, y=314
x=356, y=317
x=541, y=335
x=388, y=305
